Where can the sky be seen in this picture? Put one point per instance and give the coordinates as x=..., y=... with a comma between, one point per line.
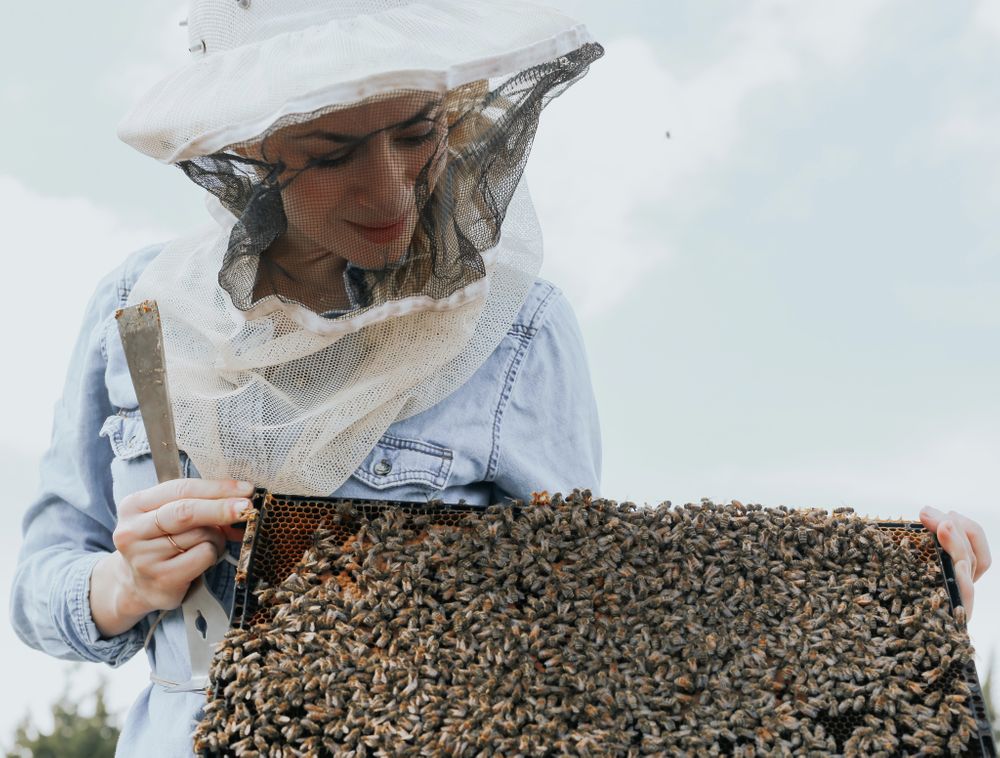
x=794, y=298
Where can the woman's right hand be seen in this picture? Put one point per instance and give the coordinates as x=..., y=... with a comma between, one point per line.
x=148, y=572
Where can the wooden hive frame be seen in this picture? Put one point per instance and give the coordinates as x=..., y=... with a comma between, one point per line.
x=280, y=530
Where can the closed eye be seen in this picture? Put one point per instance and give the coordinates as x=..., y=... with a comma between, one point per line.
x=330, y=161
x=417, y=139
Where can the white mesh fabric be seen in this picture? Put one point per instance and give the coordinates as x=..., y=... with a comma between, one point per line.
x=273, y=58
x=225, y=25
x=271, y=402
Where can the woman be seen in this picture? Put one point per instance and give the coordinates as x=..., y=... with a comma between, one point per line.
x=356, y=323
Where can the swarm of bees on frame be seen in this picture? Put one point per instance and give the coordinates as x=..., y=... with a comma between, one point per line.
x=582, y=626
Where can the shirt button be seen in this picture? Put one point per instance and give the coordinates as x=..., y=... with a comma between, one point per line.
x=383, y=467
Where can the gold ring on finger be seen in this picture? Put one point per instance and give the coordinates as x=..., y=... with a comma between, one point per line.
x=156, y=520
x=179, y=548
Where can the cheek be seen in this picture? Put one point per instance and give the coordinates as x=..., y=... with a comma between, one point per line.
x=312, y=200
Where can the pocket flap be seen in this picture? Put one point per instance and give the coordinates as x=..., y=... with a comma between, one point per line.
x=395, y=461
x=127, y=435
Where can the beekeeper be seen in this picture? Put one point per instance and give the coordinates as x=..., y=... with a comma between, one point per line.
x=362, y=317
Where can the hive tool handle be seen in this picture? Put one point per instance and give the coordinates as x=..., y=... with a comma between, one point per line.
x=142, y=339
x=205, y=620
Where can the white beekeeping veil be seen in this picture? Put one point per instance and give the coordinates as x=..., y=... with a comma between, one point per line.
x=379, y=239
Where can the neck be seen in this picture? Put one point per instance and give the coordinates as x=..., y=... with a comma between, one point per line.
x=300, y=270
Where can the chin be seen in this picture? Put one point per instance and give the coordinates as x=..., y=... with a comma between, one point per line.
x=381, y=258
x=375, y=256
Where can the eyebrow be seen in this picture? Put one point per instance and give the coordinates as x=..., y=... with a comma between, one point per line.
x=416, y=118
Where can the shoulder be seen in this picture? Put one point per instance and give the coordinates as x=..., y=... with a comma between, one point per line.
x=545, y=309
x=128, y=271
x=114, y=287
x=111, y=293
x=547, y=342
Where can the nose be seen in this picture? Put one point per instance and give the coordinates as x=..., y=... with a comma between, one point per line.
x=380, y=179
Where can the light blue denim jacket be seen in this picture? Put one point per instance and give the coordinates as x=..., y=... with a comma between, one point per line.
x=525, y=421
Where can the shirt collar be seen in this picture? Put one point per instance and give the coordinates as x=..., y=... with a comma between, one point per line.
x=358, y=295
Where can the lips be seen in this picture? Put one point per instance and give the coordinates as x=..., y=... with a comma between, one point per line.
x=381, y=233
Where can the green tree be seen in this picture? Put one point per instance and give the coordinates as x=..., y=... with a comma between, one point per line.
x=75, y=734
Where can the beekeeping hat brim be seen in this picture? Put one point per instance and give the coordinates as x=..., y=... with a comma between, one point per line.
x=257, y=61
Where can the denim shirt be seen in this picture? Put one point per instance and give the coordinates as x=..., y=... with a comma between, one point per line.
x=525, y=421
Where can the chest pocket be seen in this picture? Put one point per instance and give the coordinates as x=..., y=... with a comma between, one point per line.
x=121, y=432
x=395, y=462
x=127, y=435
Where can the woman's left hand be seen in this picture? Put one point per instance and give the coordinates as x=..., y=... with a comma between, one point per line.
x=965, y=541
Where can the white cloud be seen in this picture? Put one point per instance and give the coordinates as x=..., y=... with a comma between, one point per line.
x=603, y=172
x=828, y=33
x=597, y=167
x=972, y=127
x=59, y=248
x=950, y=467
x=954, y=468
x=163, y=49
x=970, y=134
x=987, y=17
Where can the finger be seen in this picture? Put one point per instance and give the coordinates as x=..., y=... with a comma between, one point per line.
x=966, y=590
x=952, y=542
x=962, y=539
x=181, y=489
x=187, y=567
x=148, y=556
x=960, y=552
x=931, y=518
x=187, y=540
x=181, y=515
x=977, y=540
x=973, y=532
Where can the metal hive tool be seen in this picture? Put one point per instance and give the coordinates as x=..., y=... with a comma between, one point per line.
x=283, y=529
x=142, y=342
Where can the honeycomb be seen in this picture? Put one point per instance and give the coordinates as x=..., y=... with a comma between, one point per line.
x=582, y=626
x=282, y=528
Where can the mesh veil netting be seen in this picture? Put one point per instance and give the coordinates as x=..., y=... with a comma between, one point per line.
x=375, y=256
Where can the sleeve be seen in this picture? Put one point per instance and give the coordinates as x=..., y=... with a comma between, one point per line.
x=68, y=527
x=550, y=435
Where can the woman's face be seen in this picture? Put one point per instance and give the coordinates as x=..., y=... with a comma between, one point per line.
x=350, y=177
